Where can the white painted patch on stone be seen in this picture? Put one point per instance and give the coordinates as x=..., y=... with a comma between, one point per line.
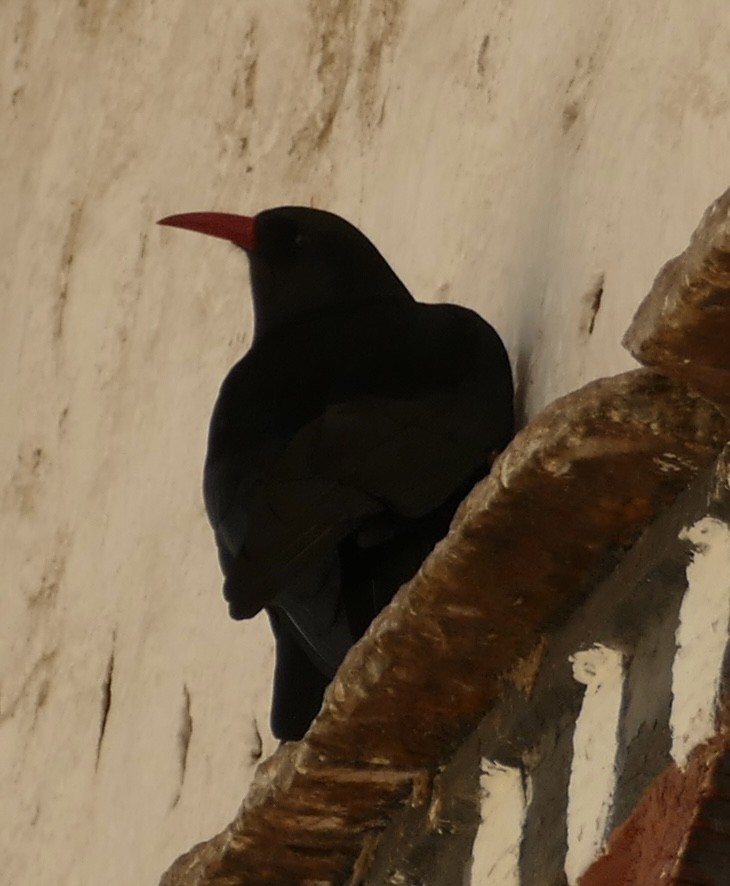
x=496, y=854
x=595, y=744
x=702, y=637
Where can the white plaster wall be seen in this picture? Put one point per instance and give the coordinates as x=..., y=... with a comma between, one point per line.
x=581, y=139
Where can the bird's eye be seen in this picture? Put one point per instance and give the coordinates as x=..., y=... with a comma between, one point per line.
x=300, y=239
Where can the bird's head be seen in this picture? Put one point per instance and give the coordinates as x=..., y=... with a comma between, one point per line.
x=302, y=260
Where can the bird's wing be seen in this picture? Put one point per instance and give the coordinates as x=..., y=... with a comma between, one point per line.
x=283, y=525
x=364, y=458
x=286, y=530
x=411, y=452
x=429, y=406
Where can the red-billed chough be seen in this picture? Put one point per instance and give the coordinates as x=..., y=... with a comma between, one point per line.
x=342, y=442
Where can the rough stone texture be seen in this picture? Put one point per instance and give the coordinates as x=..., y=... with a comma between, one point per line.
x=431, y=841
x=681, y=327
x=588, y=474
x=679, y=831
x=635, y=609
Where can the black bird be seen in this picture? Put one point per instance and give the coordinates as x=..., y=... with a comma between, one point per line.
x=342, y=442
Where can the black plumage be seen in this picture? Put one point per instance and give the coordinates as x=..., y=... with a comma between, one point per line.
x=342, y=442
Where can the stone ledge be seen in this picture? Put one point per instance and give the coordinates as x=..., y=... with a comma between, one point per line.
x=586, y=476
x=681, y=327
x=469, y=825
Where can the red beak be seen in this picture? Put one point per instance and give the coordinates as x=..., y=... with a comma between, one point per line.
x=239, y=229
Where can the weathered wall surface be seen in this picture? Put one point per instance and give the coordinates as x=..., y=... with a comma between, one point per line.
x=520, y=158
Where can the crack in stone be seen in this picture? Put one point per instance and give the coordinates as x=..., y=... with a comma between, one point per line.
x=184, y=734
x=257, y=748
x=106, y=703
x=593, y=299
